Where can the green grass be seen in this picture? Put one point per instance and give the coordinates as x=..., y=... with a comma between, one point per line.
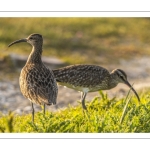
x=103, y=116
x=80, y=40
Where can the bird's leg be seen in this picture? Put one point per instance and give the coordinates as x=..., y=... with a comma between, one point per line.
x=44, y=109
x=83, y=95
x=32, y=112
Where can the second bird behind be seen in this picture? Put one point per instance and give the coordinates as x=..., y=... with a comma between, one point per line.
x=90, y=78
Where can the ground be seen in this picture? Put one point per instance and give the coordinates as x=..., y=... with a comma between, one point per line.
x=138, y=74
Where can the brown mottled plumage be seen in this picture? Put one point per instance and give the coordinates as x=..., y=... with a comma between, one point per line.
x=90, y=78
x=37, y=82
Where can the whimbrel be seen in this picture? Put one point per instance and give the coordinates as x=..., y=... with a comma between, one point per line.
x=37, y=82
x=90, y=78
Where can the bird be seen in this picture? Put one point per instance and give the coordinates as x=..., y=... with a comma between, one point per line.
x=90, y=78
x=37, y=82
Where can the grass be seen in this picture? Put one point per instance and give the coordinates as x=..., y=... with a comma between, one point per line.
x=103, y=116
x=80, y=38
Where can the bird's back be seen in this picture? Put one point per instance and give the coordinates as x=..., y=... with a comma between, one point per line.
x=86, y=76
x=37, y=83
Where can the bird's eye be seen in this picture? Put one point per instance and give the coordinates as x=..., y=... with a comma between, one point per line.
x=31, y=38
x=122, y=77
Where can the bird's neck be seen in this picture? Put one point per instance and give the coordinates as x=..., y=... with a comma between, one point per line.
x=35, y=55
x=112, y=81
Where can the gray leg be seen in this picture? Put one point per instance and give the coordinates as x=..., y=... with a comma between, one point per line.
x=83, y=95
x=32, y=112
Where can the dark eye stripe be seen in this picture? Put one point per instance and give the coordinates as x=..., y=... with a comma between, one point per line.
x=122, y=72
x=122, y=78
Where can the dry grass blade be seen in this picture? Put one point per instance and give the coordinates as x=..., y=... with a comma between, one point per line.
x=125, y=107
x=124, y=111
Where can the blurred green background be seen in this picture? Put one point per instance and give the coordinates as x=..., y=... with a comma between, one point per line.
x=80, y=40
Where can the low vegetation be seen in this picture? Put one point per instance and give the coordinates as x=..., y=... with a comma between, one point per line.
x=103, y=116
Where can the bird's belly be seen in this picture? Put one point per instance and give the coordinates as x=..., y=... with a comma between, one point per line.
x=102, y=86
x=24, y=87
x=29, y=92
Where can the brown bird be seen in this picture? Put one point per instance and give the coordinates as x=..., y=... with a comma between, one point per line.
x=37, y=82
x=90, y=78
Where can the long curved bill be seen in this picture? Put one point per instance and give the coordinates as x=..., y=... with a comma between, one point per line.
x=18, y=41
x=128, y=84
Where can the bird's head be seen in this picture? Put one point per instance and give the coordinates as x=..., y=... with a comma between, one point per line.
x=33, y=39
x=121, y=77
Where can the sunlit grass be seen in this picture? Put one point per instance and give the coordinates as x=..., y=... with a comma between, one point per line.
x=103, y=116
